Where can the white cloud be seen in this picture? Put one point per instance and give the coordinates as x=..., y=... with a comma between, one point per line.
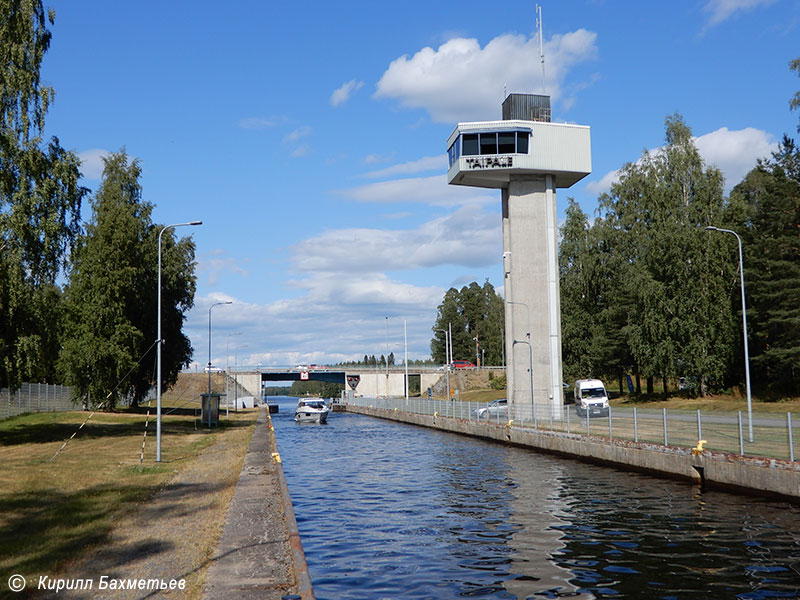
x=342, y=94
x=92, y=162
x=426, y=190
x=461, y=81
x=603, y=184
x=343, y=290
x=721, y=10
x=350, y=310
x=302, y=150
x=298, y=134
x=734, y=153
x=468, y=237
x=427, y=163
x=216, y=263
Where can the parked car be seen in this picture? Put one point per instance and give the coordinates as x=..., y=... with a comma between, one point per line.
x=462, y=364
x=496, y=409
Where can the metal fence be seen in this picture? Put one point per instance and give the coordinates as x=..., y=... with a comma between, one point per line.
x=35, y=397
x=774, y=434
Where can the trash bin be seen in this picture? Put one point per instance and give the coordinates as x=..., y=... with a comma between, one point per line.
x=209, y=413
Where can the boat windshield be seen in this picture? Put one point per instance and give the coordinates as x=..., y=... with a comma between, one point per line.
x=313, y=404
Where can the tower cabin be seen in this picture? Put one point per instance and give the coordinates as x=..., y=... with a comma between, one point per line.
x=525, y=142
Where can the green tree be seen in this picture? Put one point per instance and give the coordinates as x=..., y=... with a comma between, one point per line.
x=110, y=322
x=448, y=315
x=768, y=200
x=40, y=199
x=674, y=272
x=472, y=312
x=323, y=389
x=490, y=329
x=594, y=306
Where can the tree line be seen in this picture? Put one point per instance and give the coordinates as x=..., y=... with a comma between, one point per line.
x=651, y=285
x=474, y=317
x=78, y=300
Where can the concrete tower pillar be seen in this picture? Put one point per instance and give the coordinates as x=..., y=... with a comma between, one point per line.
x=527, y=157
x=533, y=317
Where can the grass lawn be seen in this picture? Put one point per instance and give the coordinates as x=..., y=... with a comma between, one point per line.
x=53, y=510
x=710, y=403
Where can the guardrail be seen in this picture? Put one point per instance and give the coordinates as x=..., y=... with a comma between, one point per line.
x=35, y=397
x=774, y=434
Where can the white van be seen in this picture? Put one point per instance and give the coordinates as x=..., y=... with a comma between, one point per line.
x=591, y=398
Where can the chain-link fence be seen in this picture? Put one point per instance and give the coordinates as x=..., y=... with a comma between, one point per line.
x=774, y=435
x=35, y=397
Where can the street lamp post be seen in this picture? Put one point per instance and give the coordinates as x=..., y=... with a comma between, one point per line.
x=235, y=381
x=744, y=332
x=227, y=371
x=159, y=341
x=405, y=358
x=209, y=341
x=447, y=360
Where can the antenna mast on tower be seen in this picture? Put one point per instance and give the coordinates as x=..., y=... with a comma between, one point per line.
x=541, y=43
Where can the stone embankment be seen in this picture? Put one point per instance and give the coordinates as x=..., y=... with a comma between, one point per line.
x=260, y=554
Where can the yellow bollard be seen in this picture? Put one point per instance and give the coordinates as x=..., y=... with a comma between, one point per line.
x=699, y=449
x=510, y=421
x=276, y=457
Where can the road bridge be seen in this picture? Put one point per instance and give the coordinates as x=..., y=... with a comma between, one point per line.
x=365, y=381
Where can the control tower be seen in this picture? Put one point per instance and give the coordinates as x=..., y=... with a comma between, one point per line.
x=527, y=157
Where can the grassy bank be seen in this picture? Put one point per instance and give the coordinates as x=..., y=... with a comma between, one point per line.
x=54, y=509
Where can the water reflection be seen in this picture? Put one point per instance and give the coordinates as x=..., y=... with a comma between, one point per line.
x=387, y=510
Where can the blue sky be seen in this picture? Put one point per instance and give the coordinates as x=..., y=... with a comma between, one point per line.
x=309, y=137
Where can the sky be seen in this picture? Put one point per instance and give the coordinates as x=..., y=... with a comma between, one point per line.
x=309, y=138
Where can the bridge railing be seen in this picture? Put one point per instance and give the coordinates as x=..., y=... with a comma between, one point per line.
x=775, y=435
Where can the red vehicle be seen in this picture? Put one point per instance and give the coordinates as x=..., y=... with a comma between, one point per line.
x=462, y=364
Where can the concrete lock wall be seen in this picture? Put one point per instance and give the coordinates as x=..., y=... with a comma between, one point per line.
x=251, y=381
x=753, y=475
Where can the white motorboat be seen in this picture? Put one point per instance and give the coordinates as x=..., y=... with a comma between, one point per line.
x=311, y=410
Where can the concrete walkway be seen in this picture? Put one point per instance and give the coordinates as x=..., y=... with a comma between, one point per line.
x=259, y=554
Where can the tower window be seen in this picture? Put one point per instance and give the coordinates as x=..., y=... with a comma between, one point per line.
x=488, y=143
x=522, y=142
x=506, y=142
x=470, y=144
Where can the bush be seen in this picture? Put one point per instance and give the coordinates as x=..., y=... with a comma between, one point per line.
x=497, y=383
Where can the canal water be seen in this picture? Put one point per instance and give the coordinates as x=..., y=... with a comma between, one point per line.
x=392, y=511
